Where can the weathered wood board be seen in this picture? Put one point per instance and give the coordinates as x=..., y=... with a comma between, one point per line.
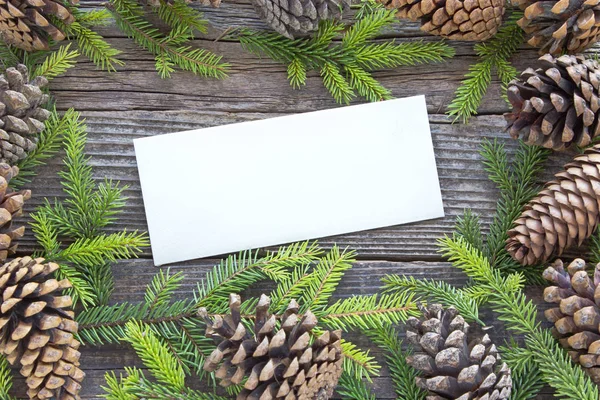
x=134, y=102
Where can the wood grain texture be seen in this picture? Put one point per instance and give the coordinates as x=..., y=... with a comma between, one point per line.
x=134, y=102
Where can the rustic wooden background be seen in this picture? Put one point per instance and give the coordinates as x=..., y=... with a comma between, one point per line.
x=134, y=102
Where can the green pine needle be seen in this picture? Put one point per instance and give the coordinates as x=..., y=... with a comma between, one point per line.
x=493, y=56
x=352, y=388
x=5, y=380
x=403, y=375
x=57, y=62
x=169, y=50
x=49, y=142
x=345, y=66
x=358, y=363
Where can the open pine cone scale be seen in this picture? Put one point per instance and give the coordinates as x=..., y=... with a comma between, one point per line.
x=276, y=358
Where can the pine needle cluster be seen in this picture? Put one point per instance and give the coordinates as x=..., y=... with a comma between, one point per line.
x=81, y=217
x=493, y=56
x=345, y=56
x=175, y=345
x=170, y=49
x=496, y=283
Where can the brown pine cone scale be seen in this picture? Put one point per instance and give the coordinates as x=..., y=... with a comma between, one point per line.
x=27, y=24
x=11, y=207
x=37, y=329
x=556, y=105
x=564, y=214
x=276, y=363
x=560, y=26
x=22, y=116
x=472, y=20
x=455, y=361
x=576, y=318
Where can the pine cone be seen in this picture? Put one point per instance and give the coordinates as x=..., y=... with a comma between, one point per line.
x=278, y=364
x=292, y=17
x=11, y=206
x=557, y=27
x=21, y=115
x=456, y=363
x=473, y=20
x=37, y=329
x=557, y=105
x=564, y=214
x=27, y=24
x=577, y=317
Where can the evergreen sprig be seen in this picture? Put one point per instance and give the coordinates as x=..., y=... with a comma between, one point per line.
x=520, y=317
x=5, y=380
x=525, y=374
x=170, y=50
x=81, y=217
x=49, y=143
x=345, y=65
x=352, y=388
x=493, y=56
x=57, y=62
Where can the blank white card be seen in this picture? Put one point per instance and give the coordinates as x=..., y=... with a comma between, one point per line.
x=218, y=190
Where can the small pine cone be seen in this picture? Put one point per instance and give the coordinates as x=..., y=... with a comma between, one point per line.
x=11, y=206
x=557, y=105
x=37, y=329
x=456, y=363
x=560, y=26
x=563, y=214
x=21, y=114
x=472, y=20
x=293, y=17
x=27, y=24
x=577, y=315
x=278, y=364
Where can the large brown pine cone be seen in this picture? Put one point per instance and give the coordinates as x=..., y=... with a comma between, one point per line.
x=563, y=214
x=456, y=362
x=11, y=206
x=293, y=17
x=279, y=363
x=37, y=328
x=473, y=20
x=556, y=105
x=560, y=26
x=27, y=24
x=576, y=319
x=21, y=114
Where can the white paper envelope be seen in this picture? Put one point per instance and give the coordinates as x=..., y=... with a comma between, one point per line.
x=223, y=189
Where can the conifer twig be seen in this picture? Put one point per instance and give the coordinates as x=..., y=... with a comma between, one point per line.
x=344, y=66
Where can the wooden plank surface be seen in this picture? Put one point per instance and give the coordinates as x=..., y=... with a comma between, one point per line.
x=134, y=102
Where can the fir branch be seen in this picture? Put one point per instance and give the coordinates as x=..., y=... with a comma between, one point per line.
x=180, y=16
x=344, y=66
x=469, y=227
x=327, y=273
x=129, y=17
x=403, y=375
x=49, y=142
x=5, y=380
x=369, y=312
x=358, y=363
x=99, y=17
x=352, y=388
x=82, y=291
x=104, y=248
x=57, y=62
x=519, y=314
x=517, y=184
x=9, y=55
x=526, y=377
x=94, y=47
x=493, y=55
x=436, y=291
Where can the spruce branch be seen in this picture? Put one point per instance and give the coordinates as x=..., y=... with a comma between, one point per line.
x=435, y=291
x=91, y=18
x=352, y=388
x=403, y=375
x=526, y=376
x=49, y=142
x=469, y=227
x=5, y=380
x=129, y=16
x=345, y=66
x=369, y=312
x=520, y=317
x=493, y=56
x=57, y=63
x=358, y=363
x=9, y=56
x=94, y=47
x=181, y=17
